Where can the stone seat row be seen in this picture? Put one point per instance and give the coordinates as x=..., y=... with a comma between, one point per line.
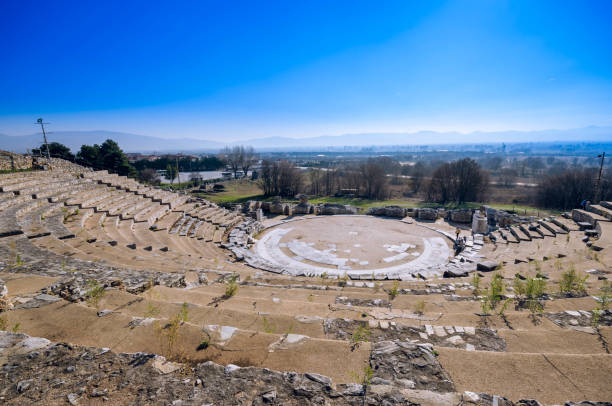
x=60, y=232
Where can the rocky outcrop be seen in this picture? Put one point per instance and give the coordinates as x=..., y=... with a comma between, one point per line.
x=38, y=372
x=409, y=365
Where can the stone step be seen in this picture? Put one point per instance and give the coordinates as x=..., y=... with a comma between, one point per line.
x=517, y=234
x=561, y=374
x=168, y=220
x=551, y=227
x=564, y=223
x=227, y=345
x=583, y=216
x=601, y=211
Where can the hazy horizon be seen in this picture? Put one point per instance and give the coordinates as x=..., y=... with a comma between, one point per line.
x=144, y=143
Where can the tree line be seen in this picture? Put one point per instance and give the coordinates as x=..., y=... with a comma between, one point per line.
x=568, y=189
x=458, y=181
x=204, y=163
x=109, y=156
x=239, y=158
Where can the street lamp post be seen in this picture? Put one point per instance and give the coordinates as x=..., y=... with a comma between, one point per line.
x=42, y=125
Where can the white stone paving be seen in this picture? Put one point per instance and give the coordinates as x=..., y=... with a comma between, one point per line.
x=434, y=256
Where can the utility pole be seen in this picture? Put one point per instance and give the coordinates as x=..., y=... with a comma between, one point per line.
x=598, y=186
x=178, y=174
x=42, y=125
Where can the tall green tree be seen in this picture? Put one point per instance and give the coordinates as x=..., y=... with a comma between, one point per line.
x=88, y=156
x=106, y=156
x=56, y=150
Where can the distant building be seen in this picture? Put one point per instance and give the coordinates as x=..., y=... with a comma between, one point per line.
x=136, y=156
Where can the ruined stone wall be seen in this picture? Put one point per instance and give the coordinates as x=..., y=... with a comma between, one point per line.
x=460, y=215
x=389, y=211
x=12, y=162
x=427, y=214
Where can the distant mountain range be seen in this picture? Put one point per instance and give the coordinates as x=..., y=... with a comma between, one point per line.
x=147, y=144
x=128, y=142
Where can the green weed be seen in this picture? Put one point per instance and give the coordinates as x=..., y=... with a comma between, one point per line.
x=572, y=283
x=94, y=293
x=361, y=334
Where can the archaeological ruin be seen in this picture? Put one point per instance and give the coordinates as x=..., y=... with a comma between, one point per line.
x=115, y=292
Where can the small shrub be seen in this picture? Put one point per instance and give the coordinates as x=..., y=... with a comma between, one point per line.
x=152, y=310
x=18, y=261
x=394, y=290
x=419, y=307
x=170, y=333
x=529, y=292
x=361, y=334
x=502, y=309
x=519, y=286
x=4, y=325
x=184, y=313
x=572, y=283
x=603, y=303
x=95, y=293
x=267, y=326
x=231, y=287
x=485, y=307
x=364, y=378
x=476, y=283
x=495, y=290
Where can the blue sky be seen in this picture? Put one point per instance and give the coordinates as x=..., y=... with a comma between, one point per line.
x=237, y=70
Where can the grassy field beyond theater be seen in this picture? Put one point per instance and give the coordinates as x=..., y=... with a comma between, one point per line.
x=241, y=191
x=236, y=191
